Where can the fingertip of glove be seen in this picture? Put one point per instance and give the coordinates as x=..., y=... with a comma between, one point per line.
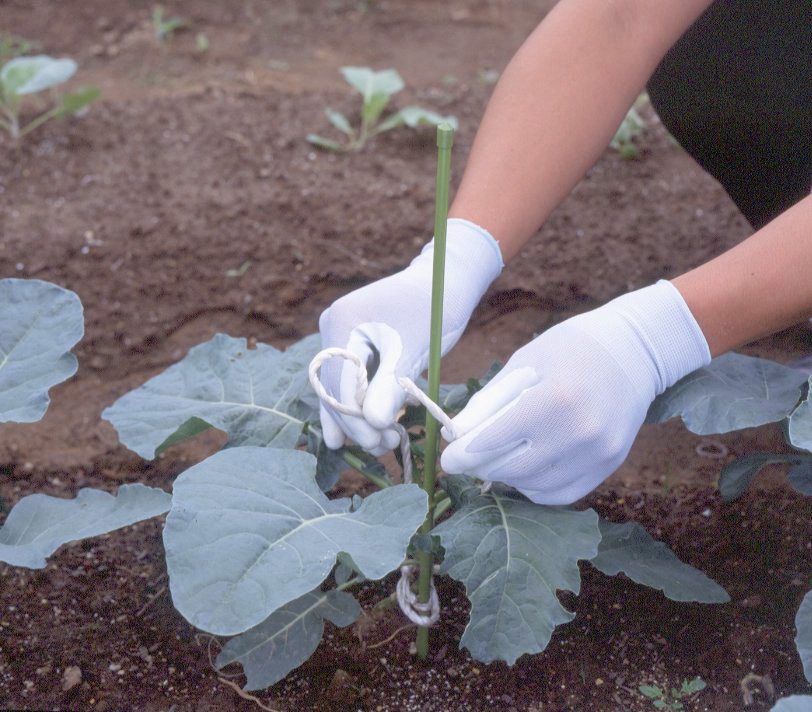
x=333, y=435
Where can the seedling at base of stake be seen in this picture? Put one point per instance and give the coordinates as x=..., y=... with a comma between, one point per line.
x=376, y=89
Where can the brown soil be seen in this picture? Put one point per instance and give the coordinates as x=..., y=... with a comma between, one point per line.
x=193, y=164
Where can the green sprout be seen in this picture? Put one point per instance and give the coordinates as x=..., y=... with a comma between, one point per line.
x=13, y=46
x=376, y=89
x=22, y=76
x=164, y=27
x=672, y=701
x=630, y=128
x=202, y=42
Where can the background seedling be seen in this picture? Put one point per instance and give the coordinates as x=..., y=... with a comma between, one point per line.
x=376, y=89
x=23, y=76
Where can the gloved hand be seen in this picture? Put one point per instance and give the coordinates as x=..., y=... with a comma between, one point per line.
x=392, y=317
x=562, y=414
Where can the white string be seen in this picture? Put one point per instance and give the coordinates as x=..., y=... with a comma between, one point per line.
x=423, y=614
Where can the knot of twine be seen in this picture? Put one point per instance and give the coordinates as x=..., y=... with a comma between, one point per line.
x=423, y=614
x=361, y=386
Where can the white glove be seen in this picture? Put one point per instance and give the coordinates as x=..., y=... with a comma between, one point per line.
x=392, y=316
x=562, y=414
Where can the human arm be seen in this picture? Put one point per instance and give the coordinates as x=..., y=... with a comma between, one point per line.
x=564, y=412
x=756, y=288
x=557, y=106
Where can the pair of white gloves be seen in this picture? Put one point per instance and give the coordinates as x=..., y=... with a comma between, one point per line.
x=561, y=415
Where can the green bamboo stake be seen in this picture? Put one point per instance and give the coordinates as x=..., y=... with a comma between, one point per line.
x=445, y=139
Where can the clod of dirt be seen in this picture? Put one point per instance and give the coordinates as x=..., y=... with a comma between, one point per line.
x=71, y=677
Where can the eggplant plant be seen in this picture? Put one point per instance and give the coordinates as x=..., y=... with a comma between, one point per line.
x=376, y=89
x=23, y=76
x=39, y=324
x=736, y=392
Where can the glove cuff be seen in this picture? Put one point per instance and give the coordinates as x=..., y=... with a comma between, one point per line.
x=470, y=249
x=665, y=331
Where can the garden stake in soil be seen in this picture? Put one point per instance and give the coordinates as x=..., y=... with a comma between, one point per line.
x=445, y=140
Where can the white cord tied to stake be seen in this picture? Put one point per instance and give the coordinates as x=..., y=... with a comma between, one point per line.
x=422, y=614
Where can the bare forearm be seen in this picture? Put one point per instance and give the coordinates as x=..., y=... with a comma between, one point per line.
x=557, y=106
x=756, y=288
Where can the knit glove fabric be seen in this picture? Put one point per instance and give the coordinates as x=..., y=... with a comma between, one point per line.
x=562, y=414
x=388, y=322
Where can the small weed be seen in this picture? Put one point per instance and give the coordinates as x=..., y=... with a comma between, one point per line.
x=164, y=27
x=202, y=42
x=671, y=701
x=13, y=46
x=630, y=128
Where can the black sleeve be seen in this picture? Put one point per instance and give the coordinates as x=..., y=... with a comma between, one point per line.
x=736, y=93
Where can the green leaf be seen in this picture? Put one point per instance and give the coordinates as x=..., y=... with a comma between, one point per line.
x=690, y=687
x=630, y=549
x=256, y=396
x=793, y=703
x=800, y=424
x=338, y=120
x=250, y=531
x=329, y=463
x=736, y=476
x=73, y=102
x=27, y=75
x=373, y=108
x=288, y=637
x=368, y=82
x=39, y=324
x=513, y=555
x=651, y=691
x=38, y=524
x=326, y=143
x=732, y=393
x=800, y=476
x=803, y=637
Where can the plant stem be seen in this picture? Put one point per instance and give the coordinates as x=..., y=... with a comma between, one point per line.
x=441, y=507
x=357, y=464
x=445, y=139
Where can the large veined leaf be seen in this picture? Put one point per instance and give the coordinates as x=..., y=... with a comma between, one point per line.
x=257, y=396
x=513, y=555
x=737, y=475
x=38, y=524
x=800, y=424
x=630, y=549
x=803, y=637
x=27, y=75
x=793, y=703
x=39, y=324
x=250, y=531
x=732, y=393
x=288, y=637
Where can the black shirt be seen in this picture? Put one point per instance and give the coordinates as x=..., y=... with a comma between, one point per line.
x=736, y=92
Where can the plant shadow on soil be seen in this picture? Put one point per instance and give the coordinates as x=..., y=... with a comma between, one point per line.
x=193, y=165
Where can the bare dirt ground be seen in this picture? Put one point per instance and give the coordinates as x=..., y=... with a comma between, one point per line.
x=194, y=164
